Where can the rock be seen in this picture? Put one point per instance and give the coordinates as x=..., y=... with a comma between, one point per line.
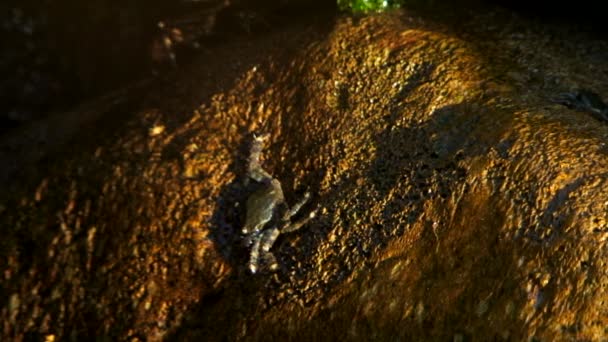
x=458, y=201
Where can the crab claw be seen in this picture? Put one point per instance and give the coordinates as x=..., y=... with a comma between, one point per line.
x=261, y=136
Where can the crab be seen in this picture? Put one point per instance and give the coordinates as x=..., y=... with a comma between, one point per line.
x=268, y=214
x=585, y=100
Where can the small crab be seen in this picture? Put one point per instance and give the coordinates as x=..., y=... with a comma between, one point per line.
x=585, y=100
x=268, y=215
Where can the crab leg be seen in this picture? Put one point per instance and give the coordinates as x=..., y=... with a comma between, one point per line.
x=294, y=210
x=271, y=261
x=298, y=224
x=268, y=238
x=254, y=256
x=263, y=243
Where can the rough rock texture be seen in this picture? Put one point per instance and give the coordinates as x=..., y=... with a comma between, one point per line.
x=457, y=201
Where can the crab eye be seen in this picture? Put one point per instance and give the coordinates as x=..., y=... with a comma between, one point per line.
x=244, y=231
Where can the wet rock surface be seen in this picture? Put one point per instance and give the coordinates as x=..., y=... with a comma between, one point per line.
x=456, y=199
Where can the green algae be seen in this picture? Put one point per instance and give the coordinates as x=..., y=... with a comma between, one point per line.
x=363, y=6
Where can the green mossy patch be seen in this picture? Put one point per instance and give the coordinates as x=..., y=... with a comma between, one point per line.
x=368, y=5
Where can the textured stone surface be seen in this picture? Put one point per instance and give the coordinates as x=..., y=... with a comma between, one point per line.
x=457, y=201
